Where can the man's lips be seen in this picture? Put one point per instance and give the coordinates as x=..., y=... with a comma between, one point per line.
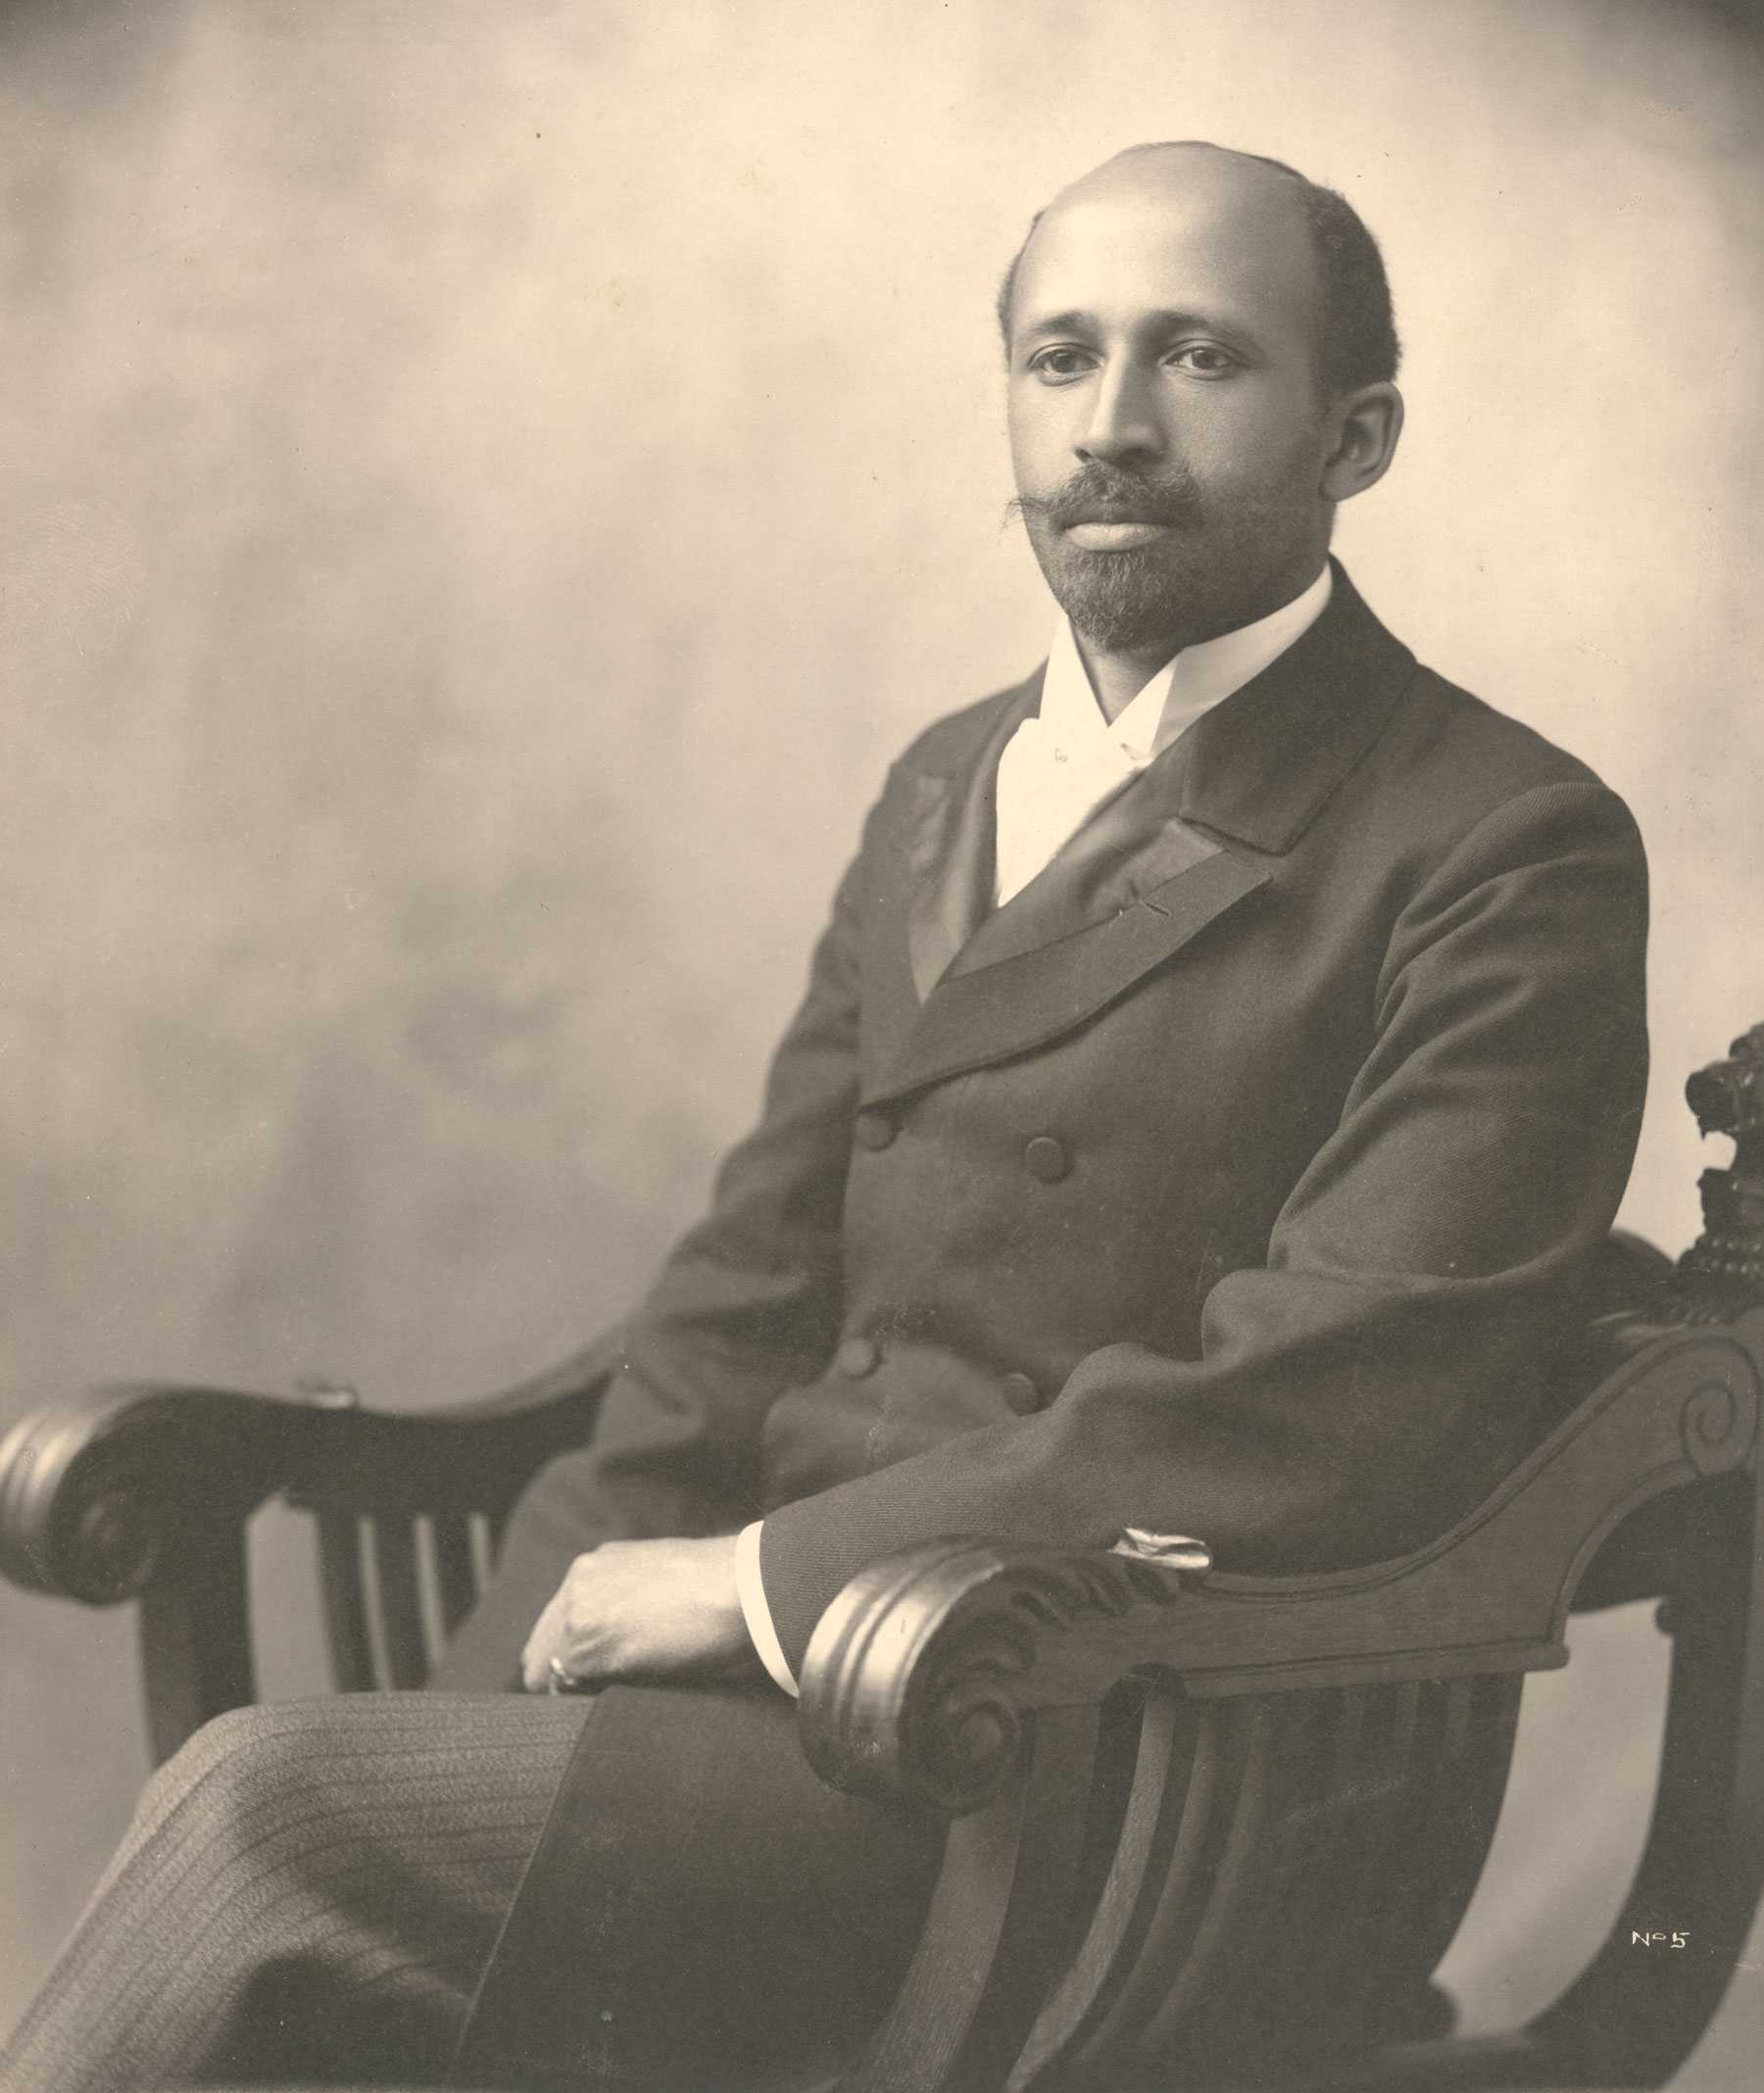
x=1114, y=534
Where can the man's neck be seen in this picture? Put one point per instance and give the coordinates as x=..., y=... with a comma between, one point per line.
x=1118, y=678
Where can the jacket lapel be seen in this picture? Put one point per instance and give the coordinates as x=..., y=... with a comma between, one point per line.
x=1021, y=1001
x=1195, y=834
x=949, y=848
x=929, y=868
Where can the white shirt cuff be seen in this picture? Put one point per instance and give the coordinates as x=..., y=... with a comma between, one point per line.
x=750, y=1588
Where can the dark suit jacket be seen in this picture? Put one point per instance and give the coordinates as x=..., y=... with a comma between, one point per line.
x=1230, y=1180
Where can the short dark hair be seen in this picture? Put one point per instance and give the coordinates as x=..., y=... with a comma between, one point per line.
x=1358, y=341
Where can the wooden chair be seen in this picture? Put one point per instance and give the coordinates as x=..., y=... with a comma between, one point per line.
x=1205, y=1828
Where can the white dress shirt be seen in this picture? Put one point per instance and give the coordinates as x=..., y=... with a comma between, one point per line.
x=1060, y=767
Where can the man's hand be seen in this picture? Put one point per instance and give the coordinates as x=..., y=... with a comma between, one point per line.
x=642, y=1610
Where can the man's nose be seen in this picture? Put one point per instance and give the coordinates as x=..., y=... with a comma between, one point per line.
x=1123, y=423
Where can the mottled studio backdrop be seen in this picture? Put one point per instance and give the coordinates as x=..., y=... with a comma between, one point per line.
x=484, y=491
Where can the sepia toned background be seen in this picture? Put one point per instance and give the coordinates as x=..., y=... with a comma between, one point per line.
x=485, y=492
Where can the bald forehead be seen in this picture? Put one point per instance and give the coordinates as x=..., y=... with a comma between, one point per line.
x=1174, y=223
x=1195, y=169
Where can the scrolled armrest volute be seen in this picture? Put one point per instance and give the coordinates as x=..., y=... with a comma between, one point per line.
x=918, y=1677
x=97, y=1494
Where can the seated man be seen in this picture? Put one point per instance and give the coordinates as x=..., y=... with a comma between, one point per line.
x=1224, y=1059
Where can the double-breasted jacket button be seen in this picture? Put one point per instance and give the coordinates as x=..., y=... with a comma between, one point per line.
x=1020, y=1392
x=1046, y=1158
x=857, y=1356
x=873, y=1129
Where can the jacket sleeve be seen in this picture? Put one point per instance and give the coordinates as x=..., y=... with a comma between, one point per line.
x=1363, y=1389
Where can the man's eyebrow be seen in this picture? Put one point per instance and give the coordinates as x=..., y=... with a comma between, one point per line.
x=1075, y=320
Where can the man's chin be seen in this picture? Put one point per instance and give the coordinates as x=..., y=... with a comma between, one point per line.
x=1126, y=601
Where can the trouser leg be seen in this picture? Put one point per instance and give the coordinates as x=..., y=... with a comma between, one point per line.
x=308, y=1890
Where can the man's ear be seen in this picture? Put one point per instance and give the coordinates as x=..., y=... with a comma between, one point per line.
x=1367, y=423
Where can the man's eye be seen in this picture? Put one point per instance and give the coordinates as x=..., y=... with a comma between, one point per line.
x=1057, y=367
x=1202, y=360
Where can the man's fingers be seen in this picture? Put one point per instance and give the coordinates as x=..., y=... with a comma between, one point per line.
x=542, y=1644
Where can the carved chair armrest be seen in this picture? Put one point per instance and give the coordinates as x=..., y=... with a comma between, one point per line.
x=921, y=1675
x=145, y=1491
x=99, y=1494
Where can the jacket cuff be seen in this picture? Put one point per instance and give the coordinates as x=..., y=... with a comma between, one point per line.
x=750, y=1588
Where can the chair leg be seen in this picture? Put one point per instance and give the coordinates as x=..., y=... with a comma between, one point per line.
x=1643, y=2001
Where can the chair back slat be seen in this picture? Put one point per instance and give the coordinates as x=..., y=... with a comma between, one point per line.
x=1330, y=1805
x=1230, y=1915
x=1163, y=1755
x=397, y=1611
x=1218, y=1773
x=395, y=1587
x=455, y=1573
x=1386, y=1830
x=345, y=1600
x=1449, y=1822
x=1285, y=1861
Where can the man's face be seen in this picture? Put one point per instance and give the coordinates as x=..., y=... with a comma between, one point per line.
x=1166, y=428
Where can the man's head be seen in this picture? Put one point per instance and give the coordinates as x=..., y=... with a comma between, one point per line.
x=1200, y=352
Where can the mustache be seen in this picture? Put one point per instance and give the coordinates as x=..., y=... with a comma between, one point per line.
x=1103, y=494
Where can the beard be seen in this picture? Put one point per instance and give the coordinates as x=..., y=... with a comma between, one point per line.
x=1212, y=570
